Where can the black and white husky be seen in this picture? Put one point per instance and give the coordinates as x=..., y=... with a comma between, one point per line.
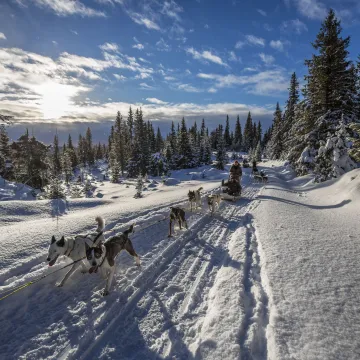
x=74, y=248
x=102, y=257
x=213, y=201
x=177, y=214
x=195, y=197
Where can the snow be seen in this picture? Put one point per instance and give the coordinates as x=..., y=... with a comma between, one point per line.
x=272, y=276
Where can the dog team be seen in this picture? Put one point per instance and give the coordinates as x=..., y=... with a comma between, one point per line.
x=92, y=253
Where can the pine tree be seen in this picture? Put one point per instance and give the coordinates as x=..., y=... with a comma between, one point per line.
x=66, y=166
x=56, y=156
x=4, y=150
x=81, y=151
x=99, y=152
x=330, y=84
x=227, y=138
x=254, y=136
x=139, y=187
x=184, y=147
x=72, y=153
x=114, y=165
x=159, y=142
x=248, y=133
x=130, y=125
x=259, y=132
x=89, y=147
x=275, y=145
x=119, y=141
x=257, y=154
x=237, y=135
x=221, y=152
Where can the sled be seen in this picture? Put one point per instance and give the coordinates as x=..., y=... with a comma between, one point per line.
x=230, y=190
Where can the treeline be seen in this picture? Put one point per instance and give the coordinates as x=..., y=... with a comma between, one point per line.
x=320, y=132
x=134, y=148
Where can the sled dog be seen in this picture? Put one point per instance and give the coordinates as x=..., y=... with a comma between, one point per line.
x=74, y=248
x=177, y=214
x=102, y=257
x=213, y=201
x=195, y=197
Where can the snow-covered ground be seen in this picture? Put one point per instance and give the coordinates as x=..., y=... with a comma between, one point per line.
x=273, y=276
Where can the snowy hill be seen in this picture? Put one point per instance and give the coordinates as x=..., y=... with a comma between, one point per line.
x=273, y=276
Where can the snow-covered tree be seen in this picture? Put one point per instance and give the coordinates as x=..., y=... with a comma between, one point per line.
x=66, y=166
x=221, y=153
x=139, y=187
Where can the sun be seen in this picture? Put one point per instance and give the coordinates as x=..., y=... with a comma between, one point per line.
x=55, y=101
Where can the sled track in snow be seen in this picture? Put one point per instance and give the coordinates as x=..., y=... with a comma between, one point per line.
x=252, y=336
x=174, y=281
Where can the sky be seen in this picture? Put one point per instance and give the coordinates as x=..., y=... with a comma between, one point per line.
x=67, y=64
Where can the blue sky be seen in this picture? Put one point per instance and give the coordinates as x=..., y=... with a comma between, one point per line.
x=65, y=64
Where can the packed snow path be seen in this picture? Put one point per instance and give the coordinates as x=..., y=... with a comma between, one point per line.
x=192, y=291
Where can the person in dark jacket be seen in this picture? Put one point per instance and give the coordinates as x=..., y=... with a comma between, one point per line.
x=235, y=171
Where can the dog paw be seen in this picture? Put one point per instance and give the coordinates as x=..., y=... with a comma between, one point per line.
x=105, y=293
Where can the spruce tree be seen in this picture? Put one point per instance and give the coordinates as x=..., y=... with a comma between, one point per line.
x=89, y=147
x=66, y=166
x=184, y=147
x=56, y=156
x=227, y=138
x=248, y=133
x=238, y=135
x=159, y=142
x=330, y=83
x=4, y=150
x=275, y=145
x=221, y=151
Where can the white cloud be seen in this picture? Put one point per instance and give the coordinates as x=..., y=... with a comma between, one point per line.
x=254, y=40
x=189, y=88
x=139, y=46
x=187, y=72
x=278, y=44
x=161, y=45
x=145, y=86
x=144, y=61
x=206, y=56
x=270, y=82
x=294, y=25
x=262, y=12
x=240, y=44
x=206, y=26
x=233, y=57
x=267, y=59
x=67, y=7
x=212, y=90
x=250, y=69
x=312, y=9
x=109, y=47
x=142, y=20
x=55, y=42
x=143, y=76
x=119, y=77
x=2, y=36
x=74, y=32
x=169, y=78
x=191, y=30
x=172, y=10
x=156, y=101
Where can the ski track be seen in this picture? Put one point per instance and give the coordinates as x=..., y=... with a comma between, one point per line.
x=151, y=313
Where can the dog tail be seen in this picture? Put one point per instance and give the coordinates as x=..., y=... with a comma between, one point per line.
x=101, y=223
x=129, y=230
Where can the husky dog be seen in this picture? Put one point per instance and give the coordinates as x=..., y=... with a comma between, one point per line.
x=177, y=214
x=74, y=248
x=195, y=197
x=102, y=257
x=213, y=201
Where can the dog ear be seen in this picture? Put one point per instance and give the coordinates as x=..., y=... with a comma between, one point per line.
x=61, y=242
x=53, y=239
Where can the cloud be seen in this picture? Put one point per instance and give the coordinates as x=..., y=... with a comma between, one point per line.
x=270, y=82
x=206, y=56
x=187, y=72
x=250, y=69
x=119, y=77
x=66, y=7
x=161, y=45
x=189, y=88
x=145, y=86
x=169, y=78
x=2, y=36
x=212, y=90
x=74, y=32
x=233, y=57
x=206, y=26
x=143, y=76
x=250, y=40
x=156, y=101
x=138, y=46
x=109, y=47
x=312, y=9
x=172, y=10
x=267, y=27
x=278, y=44
x=142, y=20
x=144, y=60
x=262, y=12
x=267, y=59
x=296, y=26
x=55, y=42
x=254, y=40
